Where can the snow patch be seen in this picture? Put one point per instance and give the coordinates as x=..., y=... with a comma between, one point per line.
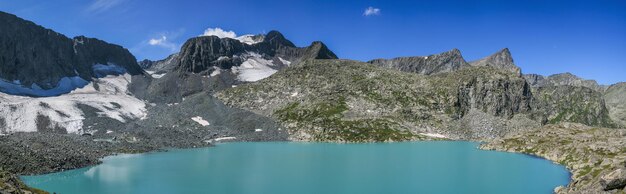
x=249, y=39
x=221, y=33
x=285, y=62
x=254, y=68
x=200, y=120
x=155, y=75
x=435, y=135
x=111, y=99
x=64, y=86
x=217, y=140
x=225, y=138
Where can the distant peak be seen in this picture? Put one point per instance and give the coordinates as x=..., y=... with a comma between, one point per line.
x=275, y=33
x=275, y=38
x=455, y=51
x=322, y=51
x=501, y=59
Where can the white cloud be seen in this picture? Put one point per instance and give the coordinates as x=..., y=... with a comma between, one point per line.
x=219, y=33
x=371, y=11
x=162, y=42
x=103, y=5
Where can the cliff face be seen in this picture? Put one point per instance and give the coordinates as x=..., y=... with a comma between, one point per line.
x=38, y=59
x=433, y=64
x=573, y=104
x=615, y=98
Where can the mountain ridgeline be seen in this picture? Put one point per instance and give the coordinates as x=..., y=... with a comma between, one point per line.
x=343, y=100
x=35, y=59
x=265, y=88
x=210, y=63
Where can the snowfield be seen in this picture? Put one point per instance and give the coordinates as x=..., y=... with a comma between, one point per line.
x=248, y=39
x=109, y=95
x=254, y=68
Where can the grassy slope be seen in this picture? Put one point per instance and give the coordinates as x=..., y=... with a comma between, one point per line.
x=340, y=100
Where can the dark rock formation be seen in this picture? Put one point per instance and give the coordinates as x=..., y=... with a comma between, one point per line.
x=614, y=180
x=200, y=54
x=208, y=63
x=501, y=60
x=35, y=55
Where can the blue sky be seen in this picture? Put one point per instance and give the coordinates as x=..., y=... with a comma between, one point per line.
x=587, y=38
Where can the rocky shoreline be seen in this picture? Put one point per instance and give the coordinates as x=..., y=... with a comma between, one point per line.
x=596, y=157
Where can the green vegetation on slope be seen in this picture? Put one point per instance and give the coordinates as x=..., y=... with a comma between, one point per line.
x=340, y=100
x=574, y=104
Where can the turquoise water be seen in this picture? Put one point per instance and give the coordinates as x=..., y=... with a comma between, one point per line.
x=283, y=167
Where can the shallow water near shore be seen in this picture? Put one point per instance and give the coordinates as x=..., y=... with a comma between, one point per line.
x=288, y=167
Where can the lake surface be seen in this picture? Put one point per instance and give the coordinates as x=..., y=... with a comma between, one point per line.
x=284, y=167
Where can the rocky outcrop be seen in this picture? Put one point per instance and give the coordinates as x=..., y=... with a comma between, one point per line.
x=535, y=80
x=37, y=58
x=160, y=66
x=614, y=180
x=615, y=98
x=433, y=64
x=562, y=79
x=11, y=184
x=501, y=60
x=573, y=104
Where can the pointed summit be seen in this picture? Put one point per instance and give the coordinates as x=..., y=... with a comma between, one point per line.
x=276, y=39
x=318, y=50
x=501, y=59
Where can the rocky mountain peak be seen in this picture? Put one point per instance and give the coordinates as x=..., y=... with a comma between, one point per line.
x=40, y=62
x=321, y=51
x=501, y=59
x=276, y=39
